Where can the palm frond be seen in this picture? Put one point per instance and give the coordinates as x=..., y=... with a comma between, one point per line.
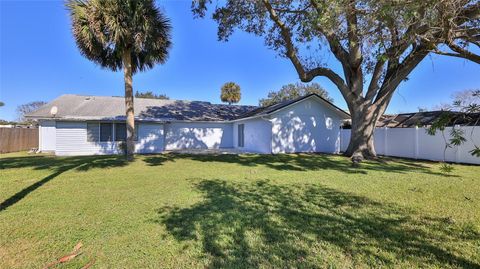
x=104, y=29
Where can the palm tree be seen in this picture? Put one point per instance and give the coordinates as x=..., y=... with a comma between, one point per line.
x=132, y=35
x=230, y=93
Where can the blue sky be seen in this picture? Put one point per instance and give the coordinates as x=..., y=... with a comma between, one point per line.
x=39, y=61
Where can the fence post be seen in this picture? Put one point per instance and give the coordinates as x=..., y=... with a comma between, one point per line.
x=416, y=142
x=457, y=148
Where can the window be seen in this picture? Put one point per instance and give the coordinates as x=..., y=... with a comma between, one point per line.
x=241, y=138
x=106, y=132
x=93, y=131
x=103, y=132
x=121, y=132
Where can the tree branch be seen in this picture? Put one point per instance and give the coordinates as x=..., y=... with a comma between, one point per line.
x=373, y=87
x=399, y=73
x=293, y=11
x=291, y=53
x=471, y=12
x=355, y=53
x=334, y=42
x=340, y=53
x=353, y=36
x=462, y=53
x=328, y=73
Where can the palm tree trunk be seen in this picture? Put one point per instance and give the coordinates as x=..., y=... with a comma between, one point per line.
x=127, y=70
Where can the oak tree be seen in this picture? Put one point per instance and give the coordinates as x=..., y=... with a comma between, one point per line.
x=377, y=43
x=292, y=91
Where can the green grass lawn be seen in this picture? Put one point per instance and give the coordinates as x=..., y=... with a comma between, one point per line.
x=283, y=211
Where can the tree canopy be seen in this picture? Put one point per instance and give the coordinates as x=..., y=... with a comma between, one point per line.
x=376, y=44
x=230, y=93
x=7, y=122
x=151, y=95
x=105, y=29
x=292, y=91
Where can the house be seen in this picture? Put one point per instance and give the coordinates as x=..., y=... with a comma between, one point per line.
x=427, y=118
x=88, y=125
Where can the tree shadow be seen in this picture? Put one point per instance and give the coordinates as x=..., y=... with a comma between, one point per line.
x=194, y=111
x=58, y=166
x=159, y=159
x=302, y=162
x=258, y=224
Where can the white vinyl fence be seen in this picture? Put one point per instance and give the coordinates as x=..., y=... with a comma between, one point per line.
x=416, y=143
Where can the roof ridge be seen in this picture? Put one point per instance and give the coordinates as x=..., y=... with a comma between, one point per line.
x=143, y=98
x=113, y=96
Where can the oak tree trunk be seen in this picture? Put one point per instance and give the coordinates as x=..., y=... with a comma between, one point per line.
x=361, y=144
x=130, y=122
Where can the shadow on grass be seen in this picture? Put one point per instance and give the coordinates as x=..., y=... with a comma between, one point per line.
x=258, y=224
x=58, y=166
x=302, y=162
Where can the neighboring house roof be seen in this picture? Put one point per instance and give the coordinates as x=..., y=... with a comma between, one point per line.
x=80, y=107
x=263, y=111
x=408, y=120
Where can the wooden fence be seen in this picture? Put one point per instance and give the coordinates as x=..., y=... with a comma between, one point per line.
x=18, y=139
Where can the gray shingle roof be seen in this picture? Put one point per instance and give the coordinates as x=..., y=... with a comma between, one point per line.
x=427, y=118
x=262, y=111
x=82, y=107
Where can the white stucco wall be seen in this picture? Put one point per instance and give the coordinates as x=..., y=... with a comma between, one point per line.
x=150, y=138
x=71, y=139
x=198, y=135
x=257, y=135
x=308, y=126
x=47, y=136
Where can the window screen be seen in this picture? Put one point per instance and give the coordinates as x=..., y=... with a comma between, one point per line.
x=241, y=137
x=121, y=132
x=93, y=132
x=106, y=132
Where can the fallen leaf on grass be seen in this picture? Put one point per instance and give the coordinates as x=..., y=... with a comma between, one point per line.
x=75, y=252
x=77, y=247
x=68, y=257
